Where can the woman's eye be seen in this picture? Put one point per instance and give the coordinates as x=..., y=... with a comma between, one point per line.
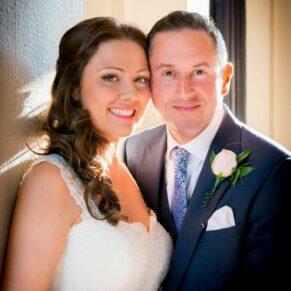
x=110, y=78
x=142, y=80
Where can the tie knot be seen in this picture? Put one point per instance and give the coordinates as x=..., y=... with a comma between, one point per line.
x=180, y=155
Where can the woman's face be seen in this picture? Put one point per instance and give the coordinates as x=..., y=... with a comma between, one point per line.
x=115, y=87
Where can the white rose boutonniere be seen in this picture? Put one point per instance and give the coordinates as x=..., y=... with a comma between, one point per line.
x=226, y=165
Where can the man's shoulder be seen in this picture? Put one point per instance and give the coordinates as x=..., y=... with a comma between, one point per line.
x=147, y=135
x=251, y=138
x=141, y=142
x=259, y=141
x=267, y=156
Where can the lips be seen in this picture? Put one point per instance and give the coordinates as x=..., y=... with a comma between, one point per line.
x=122, y=112
x=186, y=107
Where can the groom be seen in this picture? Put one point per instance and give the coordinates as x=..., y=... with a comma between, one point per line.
x=231, y=236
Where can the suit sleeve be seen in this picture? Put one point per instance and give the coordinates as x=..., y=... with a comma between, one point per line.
x=267, y=247
x=122, y=151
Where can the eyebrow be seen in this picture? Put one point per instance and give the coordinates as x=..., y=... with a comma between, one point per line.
x=121, y=70
x=110, y=68
x=164, y=65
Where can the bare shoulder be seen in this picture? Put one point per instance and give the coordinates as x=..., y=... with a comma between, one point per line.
x=43, y=180
x=44, y=188
x=42, y=172
x=44, y=210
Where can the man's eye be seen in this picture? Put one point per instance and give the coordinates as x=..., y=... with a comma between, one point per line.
x=199, y=72
x=110, y=78
x=168, y=73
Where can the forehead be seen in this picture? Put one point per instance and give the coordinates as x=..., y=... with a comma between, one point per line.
x=118, y=46
x=116, y=52
x=181, y=41
x=193, y=36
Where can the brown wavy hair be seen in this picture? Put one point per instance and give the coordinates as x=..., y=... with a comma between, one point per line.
x=68, y=125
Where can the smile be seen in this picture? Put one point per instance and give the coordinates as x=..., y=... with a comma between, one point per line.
x=186, y=108
x=122, y=112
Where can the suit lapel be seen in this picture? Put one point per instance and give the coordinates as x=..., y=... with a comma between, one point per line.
x=152, y=167
x=165, y=215
x=196, y=217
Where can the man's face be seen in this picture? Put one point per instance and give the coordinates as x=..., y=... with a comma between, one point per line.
x=187, y=82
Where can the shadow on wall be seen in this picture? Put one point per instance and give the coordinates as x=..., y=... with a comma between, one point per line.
x=30, y=31
x=15, y=129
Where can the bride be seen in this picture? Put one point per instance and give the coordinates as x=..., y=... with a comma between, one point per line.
x=80, y=222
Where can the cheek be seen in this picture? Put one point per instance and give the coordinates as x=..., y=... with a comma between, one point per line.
x=88, y=95
x=160, y=92
x=209, y=90
x=92, y=103
x=96, y=106
x=145, y=97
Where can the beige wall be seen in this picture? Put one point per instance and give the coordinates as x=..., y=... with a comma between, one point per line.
x=281, y=119
x=268, y=68
x=142, y=13
x=258, y=76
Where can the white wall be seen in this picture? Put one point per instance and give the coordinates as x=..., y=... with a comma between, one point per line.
x=30, y=31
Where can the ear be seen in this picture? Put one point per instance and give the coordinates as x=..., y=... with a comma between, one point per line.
x=226, y=78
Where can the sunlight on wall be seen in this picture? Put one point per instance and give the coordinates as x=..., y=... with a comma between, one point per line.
x=38, y=92
x=18, y=158
x=38, y=97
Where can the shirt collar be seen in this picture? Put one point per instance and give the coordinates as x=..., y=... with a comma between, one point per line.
x=198, y=146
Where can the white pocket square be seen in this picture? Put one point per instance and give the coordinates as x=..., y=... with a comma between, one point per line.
x=221, y=218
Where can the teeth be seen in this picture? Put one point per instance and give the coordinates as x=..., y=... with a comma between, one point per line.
x=122, y=112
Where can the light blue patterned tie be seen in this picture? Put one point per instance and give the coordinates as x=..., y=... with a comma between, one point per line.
x=180, y=157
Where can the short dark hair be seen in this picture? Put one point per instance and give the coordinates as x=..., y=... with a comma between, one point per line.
x=182, y=19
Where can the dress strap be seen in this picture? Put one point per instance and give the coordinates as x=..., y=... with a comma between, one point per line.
x=73, y=182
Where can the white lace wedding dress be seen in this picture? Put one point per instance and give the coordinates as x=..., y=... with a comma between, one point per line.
x=99, y=256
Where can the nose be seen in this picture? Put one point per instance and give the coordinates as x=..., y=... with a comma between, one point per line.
x=184, y=87
x=128, y=90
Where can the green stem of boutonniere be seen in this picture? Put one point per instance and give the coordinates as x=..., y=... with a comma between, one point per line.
x=207, y=196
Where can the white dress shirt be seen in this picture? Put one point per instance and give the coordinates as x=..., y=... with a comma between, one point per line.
x=198, y=149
